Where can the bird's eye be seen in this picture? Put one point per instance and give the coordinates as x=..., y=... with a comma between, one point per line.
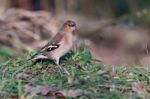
x=71, y=25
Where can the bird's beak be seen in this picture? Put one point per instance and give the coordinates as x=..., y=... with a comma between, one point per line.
x=75, y=30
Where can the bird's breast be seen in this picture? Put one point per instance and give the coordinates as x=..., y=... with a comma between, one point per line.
x=62, y=50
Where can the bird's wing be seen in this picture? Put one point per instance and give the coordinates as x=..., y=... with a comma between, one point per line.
x=51, y=45
x=54, y=43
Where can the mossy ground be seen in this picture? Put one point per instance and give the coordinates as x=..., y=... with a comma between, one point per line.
x=87, y=75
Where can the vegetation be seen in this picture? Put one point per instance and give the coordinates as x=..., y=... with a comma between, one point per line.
x=89, y=79
x=116, y=31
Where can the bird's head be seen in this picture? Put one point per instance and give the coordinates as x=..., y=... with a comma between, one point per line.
x=69, y=26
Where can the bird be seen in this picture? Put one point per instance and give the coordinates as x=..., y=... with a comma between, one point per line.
x=59, y=45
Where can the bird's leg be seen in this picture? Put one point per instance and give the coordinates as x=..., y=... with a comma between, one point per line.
x=65, y=70
x=57, y=63
x=60, y=67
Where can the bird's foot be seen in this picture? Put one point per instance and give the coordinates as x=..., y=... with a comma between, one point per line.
x=62, y=65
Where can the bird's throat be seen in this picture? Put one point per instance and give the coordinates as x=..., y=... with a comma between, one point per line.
x=68, y=38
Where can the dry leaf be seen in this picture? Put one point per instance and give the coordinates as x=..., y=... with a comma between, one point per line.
x=128, y=72
x=23, y=76
x=101, y=72
x=75, y=93
x=69, y=78
x=43, y=90
x=51, y=91
x=114, y=75
x=139, y=88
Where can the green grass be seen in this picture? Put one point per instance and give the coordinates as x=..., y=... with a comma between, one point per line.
x=83, y=70
x=6, y=53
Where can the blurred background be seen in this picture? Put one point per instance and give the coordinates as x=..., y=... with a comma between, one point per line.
x=114, y=31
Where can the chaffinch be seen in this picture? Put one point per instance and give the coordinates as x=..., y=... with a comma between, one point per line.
x=59, y=45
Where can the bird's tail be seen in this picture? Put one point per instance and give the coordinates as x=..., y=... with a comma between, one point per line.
x=39, y=56
x=46, y=47
x=36, y=54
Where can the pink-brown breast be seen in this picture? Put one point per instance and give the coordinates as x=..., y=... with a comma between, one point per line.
x=65, y=46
